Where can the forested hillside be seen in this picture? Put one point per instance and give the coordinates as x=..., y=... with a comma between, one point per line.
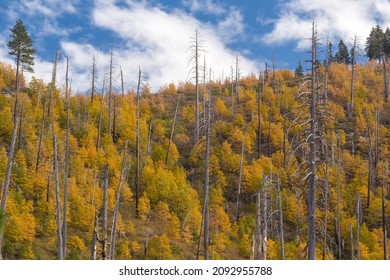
x=266, y=166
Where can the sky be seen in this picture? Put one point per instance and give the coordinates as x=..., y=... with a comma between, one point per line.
x=155, y=35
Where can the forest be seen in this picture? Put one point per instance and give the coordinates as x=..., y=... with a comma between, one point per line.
x=279, y=164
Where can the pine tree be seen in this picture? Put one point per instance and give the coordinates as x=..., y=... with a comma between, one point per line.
x=342, y=55
x=21, y=48
x=299, y=70
x=374, y=43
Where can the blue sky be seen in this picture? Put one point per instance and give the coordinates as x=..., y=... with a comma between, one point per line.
x=156, y=34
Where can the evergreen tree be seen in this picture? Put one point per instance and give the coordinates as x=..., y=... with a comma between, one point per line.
x=342, y=55
x=386, y=42
x=21, y=48
x=299, y=70
x=374, y=43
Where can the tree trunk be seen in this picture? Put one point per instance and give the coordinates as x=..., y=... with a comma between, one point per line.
x=197, y=120
x=58, y=202
x=93, y=78
x=351, y=240
x=261, y=89
x=105, y=212
x=110, y=95
x=6, y=184
x=358, y=220
x=312, y=165
x=116, y=210
x=281, y=231
x=384, y=224
x=352, y=98
x=138, y=159
x=206, y=184
x=338, y=195
x=173, y=129
x=258, y=255
x=264, y=220
x=100, y=119
x=66, y=172
x=240, y=177
x=95, y=237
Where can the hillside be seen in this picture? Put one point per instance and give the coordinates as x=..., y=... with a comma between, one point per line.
x=351, y=156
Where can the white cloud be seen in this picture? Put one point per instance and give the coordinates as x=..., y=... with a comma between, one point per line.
x=158, y=41
x=336, y=19
x=205, y=6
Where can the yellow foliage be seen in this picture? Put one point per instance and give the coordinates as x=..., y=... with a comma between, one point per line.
x=159, y=248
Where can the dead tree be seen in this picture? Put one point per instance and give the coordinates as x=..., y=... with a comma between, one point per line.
x=105, y=212
x=93, y=80
x=6, y=184
x=338, y=195
x=110, y=93
x=116, y=210
x=240, y=176
x=58, y=202
x=353, y=62
x=100, y=118
x=312, y=161
x=281, y=231
x=95, y=237
x=196, y=47
x=258, y=225
x=66, y=172
x=237, y=80
x=259, y=93
x=264, y=220
x=138, y=148
x=206, y=183
x=384, y=224
x=359, y=219
x=173, y=129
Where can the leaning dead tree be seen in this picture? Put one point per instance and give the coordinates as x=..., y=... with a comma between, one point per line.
x=6, y=184
x=173, y=129
x=116, y=210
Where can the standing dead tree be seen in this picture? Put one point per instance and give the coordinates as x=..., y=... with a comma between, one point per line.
x=195, y=49
x=116, y=210
x=138, y=148
x=173, y=129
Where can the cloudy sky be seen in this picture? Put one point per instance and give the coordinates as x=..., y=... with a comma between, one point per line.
x=155, y=35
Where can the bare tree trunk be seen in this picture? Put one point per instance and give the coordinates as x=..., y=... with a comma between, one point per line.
x=114, y=121
x=370, y=163
x=206, y=183
x=122, y=84
x=116, y=210
x=312, y=164
x=384, y=224
x=264, y=222
x=173, y=129
x=66, y=172
x=93, y=78
x=200, y=234
x=281, y=231
x=351, y=240
x=105, y=212
x=58, y=202
x=197, y=85
x=353, y=61
x=240, y=177
x=232, y=84
x=110, y=95
x=338, y=195
x=138, y=159
x=358, y=221
x=237, y=80
x=100, y=119
x=40, y=137
x=95, y=237
x=6, y=184
x=252, y=253
x=261, y=89
x=258, y=254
